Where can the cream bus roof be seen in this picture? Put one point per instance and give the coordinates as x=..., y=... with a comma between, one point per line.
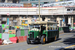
x=43, y=22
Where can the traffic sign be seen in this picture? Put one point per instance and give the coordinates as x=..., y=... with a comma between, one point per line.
x=63, y=20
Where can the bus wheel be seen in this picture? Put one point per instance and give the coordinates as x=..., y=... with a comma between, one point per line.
x=43, y=39
x=28, y=41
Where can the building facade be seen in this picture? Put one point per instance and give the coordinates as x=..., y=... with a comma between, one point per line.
x=36, y=1
x=22, y=15
x=16, y=16
x=9, y=1
x=27, y=1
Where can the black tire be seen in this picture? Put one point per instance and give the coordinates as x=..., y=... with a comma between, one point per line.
x=42, y=40
x=28, y=41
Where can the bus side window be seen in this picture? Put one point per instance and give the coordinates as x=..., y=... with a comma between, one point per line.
x=56, y=28
x=48, y=28
x=51, y=28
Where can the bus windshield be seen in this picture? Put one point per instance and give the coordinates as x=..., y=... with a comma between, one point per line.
x=34, y=26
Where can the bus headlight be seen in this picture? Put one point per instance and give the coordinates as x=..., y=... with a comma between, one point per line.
x=37, y=36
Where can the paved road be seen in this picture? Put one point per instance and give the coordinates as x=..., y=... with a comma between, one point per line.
x=64, y=40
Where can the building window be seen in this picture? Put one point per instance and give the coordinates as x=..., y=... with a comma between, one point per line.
x=60, y=22
x=48, y=20
x=46, y=2
x=22, y=17
x=73, y=9
x=25, y=16
x=14, y=1
x=33, y=0
x=23, y=0
x=24, y=21
x=70, y=3
x=63, y=3
x=2, y=0
x=68, y=9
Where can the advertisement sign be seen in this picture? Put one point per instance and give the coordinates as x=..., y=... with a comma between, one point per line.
x=63, y=20
x=24, y=22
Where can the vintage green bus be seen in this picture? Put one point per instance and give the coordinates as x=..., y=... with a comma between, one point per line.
x=42, y=31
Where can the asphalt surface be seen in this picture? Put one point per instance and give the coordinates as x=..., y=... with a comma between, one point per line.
x=65, y=40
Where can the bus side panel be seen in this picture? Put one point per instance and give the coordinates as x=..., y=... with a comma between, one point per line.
x=53, y=33
x=58, y=34
x=50, y=34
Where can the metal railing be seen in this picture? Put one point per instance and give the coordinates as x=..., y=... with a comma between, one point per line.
x=34, y=11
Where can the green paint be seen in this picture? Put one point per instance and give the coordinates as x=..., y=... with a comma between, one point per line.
x=0, y=35
x=7, y=26
x=10, y=31
x=22, y=33
x=11, y=35
x=20, y=27
x=2, y=25
x=28, y=31
x=36, y=33
x=51, y=34
x=60, y=28
x=45, y=32
x=15, y=27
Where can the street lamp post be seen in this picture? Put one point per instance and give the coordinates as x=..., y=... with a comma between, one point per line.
x=39, y=10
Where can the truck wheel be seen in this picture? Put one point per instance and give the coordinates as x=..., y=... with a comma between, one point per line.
x=43, y=39
x=28, y=41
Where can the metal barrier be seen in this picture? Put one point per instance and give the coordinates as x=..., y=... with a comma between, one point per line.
x=14, y=39
x=5, y=36
x=0, y=42
x=11, y=35
x=0, y=35
x=22, y=38
x=22, y=32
